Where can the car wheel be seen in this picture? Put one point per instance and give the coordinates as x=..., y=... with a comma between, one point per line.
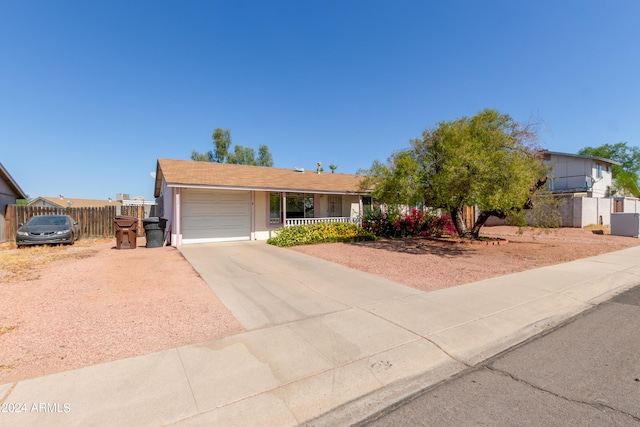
x=73, y=239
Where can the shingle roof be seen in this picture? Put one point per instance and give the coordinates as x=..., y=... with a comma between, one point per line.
x=187, y=173
x=75, y=203
x=580, y=156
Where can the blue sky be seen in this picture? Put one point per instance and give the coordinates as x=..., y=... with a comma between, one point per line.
x=93, y=92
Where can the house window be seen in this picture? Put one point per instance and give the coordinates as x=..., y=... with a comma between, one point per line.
x=335, y=205
x=598, y=170
x=299, y=205
x=275, y=208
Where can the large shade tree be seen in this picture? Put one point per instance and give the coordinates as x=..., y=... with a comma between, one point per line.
x=489, y=161
x=627, y=173
x=240, y=155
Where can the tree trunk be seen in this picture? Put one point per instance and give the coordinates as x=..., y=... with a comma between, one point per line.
x=474, y=233
x=458, y=222
x=482, y=219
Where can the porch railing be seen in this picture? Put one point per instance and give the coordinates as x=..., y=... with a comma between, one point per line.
x=305, y=221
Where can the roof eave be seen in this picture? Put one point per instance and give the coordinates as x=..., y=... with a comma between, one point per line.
x=158, y=183
x=274, y=189
x=12, y=183
x=582, y=156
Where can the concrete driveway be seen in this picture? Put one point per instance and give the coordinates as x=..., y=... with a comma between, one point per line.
x=264, y=285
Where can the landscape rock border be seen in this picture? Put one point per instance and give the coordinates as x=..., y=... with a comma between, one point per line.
x=493, y=241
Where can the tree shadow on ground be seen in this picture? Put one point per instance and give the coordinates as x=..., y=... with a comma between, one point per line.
x=420, y=246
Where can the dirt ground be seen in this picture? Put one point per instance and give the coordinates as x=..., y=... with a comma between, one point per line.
x=67, y=307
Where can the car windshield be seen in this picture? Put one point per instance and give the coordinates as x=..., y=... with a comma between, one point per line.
x=47, y=220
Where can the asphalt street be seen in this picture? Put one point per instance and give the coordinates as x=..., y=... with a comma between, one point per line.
x=584, y=373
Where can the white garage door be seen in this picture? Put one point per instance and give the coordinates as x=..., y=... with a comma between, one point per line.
x=215, y=216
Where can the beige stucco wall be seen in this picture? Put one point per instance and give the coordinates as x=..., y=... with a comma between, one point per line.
x=590, y=210
x=262, y=229
x=351, y=206
x=631, y=205
x=584, y=211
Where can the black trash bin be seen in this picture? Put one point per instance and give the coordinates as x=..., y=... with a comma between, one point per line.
x=126, y=231
x=154, y=230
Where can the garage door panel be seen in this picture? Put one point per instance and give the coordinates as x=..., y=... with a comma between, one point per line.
x=210, y=216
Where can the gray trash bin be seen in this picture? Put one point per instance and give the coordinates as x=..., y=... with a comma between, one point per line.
x=154, y=230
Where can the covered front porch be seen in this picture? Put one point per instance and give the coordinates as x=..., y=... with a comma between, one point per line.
x=291, y=209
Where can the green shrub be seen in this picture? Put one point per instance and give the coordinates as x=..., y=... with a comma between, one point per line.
x=320, y=233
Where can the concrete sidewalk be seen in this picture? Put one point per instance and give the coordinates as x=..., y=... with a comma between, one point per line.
x=332, y=365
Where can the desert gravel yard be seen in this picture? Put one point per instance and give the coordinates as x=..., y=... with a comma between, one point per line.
x=91, y=303
x=429, y=265
x=67, y=307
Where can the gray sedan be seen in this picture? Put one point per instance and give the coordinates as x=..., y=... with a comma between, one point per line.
x=48, y=229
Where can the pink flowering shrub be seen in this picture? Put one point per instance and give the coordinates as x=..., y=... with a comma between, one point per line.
x=447, y=225
x=391, y=223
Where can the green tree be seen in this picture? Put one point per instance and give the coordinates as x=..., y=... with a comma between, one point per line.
x=202, y=157
x=489, y=161
x=333, y=168
x=397, y=182
x=626, y=175
x=240, y=155
x=264, y=156
x=221, y=142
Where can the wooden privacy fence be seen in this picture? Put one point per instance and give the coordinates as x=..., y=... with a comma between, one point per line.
x=93, y=222
x=469, y=216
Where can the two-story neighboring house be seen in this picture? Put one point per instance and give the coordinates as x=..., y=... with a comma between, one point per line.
x=574, y=173
x=587, y=186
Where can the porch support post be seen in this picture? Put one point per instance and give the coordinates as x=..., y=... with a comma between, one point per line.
x=178, y=216
x=284, y=209
x=316, y=205
x=252, y=215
